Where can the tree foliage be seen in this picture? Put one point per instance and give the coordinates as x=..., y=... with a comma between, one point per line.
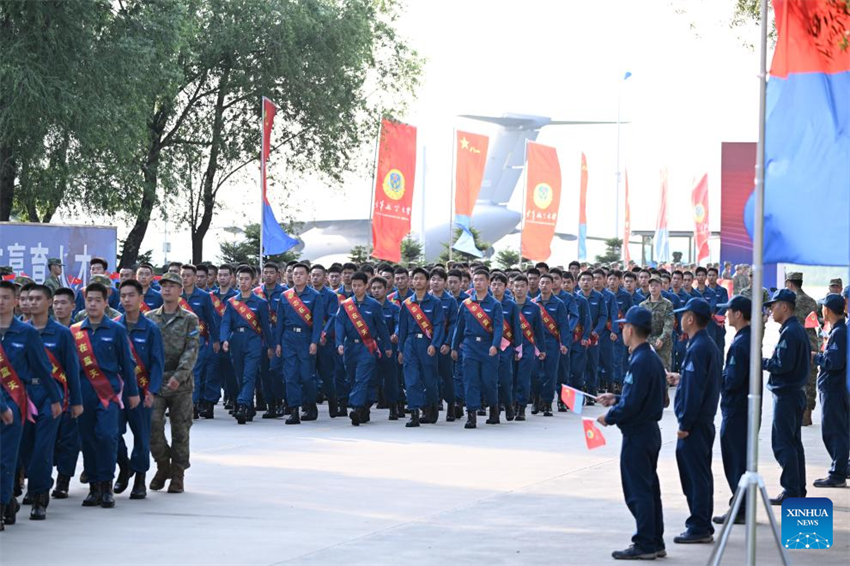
x=613, y=251
x=507, y=258
x=461, y=256
x=360, y=254
x=412, y=251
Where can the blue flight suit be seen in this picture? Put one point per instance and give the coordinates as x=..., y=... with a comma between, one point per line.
x=387, y=367
x=271, y=378
x=578, y=351
x=711, y=298
x=68, y=446
x=621, y=351
x=152, y=298
x=360, y=363
x=146, y=338
x=528, y=363
x=637, y=414
x=598, y=320
x=457, y=365
x=330, y=367
x=835, y=405
x=201, y=304
x=606, y=345
x=39, y=441
x=510, y=314
x=734, y=402
x=721, y=296
x=246, y=343
x=420, y=369
x=480, y=369
x=681, y=343
x=695, y=408
x=571, y=305
x=25, y=353
x=789, y=372
x=445, y=363
x=98, y=424
x=554, y=340
x=294, y=336
x=220, y=373
x=640, y=296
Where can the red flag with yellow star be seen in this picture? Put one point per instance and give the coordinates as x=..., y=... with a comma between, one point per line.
x=393, y=189
x=542, y=201
x=471, y=156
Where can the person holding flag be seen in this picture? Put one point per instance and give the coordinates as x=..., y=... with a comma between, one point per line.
x=359, y=322
x=530, y=340
x=480, y=327
x=637, y=413
x=148, y=353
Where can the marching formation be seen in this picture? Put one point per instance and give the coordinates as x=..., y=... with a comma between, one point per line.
x=81, y=367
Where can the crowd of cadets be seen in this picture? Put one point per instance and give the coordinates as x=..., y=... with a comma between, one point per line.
x=464, y=339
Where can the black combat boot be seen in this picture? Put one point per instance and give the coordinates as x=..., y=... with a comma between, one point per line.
x=62, y=485
x=294, y=417
x=271, y=412
x=394, y=412
x=195, y=413
x=459, y=410
x=10, y=514
x=342, y=407
x=414, y=419
x=520, y=415
x=494, y=415
x=450, y=413
x=139, y=491
x=547, y=409
x=425, y=416
x=333, y=407
x=209, y=410
x=312, y=412
x=367, y=413
x=241, y=414
x=510, y=413
x=471, y=419
x=535, y=405
x=39, y=507
x=356, y=413
x=94, y=498
x=2, y=517
x=123, y=479
x=107, y=499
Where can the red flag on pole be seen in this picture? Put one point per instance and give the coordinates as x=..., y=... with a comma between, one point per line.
x=627, y=230
x=812, y=320
x=469, y=171
x=542, y=201
x=592, y=435
x=699, y=199
x=393, y=189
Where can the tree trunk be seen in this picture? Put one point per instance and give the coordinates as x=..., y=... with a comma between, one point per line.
x=7, y=181
x=208, y=182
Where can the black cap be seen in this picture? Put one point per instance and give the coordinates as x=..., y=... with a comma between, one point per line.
x=638, y=316
x=696, y=306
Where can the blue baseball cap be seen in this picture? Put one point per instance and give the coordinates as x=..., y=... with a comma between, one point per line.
x=784, y=295
x=638, y=316
x=738, y=303
x=696, y=306
x=833, y=302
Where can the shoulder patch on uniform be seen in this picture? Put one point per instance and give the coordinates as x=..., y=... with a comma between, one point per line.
x=834, y=346
x=690, y=366
x=731, y=361
x=782, y=344
x=194, y=332
x=628, y=378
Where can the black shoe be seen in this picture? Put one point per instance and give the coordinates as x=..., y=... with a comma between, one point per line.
x=209, y=410
x=830, y=482
x=458, y=410
x=139, y=490
x=195, y=414
x=535, y=406
x=414, y=419
x=107, y=500
x=2, y=517
x=510, y=412
x=282, y=409
x=779, y=499
x=312, y=413
x=393, y=413
x=494, y=415
x=27, y=499
x=690, y=538
x=124, y=474
x=366, y=415
x=547, y=409
x=271, y=412
x=294, y=417
x=84, y=477
x=355, y=416
x=228, y=405
x=450, y=413
x=39, y=507
x=633, y=553
x=10, y=513
x=471, y=419
x=250, y=413
x=428, y=415
x=482, y=412
x=720, y=519
x=94, y=498
x=520, y=416
x=333, y=407
x=589, y=401
x=241, y=414
x=62, y=485
x=563, y=409
x=342, y=408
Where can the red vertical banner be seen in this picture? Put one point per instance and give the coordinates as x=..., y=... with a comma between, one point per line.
x=393, y=189
x=471, y=157
x=627, y=229
x=542, y=201
x=699, y=199
x=582, y=211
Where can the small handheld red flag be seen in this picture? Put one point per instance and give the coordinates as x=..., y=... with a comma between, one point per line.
x=572, y=398
x=812, y=320
x=592, y=435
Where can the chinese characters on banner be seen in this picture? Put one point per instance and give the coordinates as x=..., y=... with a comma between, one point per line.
x=393, y=189
x=542, y=201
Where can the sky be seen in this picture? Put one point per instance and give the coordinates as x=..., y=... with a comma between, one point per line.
x=693, y=85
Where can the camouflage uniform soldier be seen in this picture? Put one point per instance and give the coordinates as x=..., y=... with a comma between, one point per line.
x=663, y=318
x=741, y=279
x=804, y=307
x=181, y=340
x=54, y=264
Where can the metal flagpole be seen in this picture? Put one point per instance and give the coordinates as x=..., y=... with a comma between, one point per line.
x=375, y=175
x=262, y=172
x=751, y=483
x=452, y=195
x=524, y=197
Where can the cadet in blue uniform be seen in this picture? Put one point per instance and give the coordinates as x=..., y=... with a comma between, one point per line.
x=557, y=333
x=479, y=329
x=598, y=321
x=421, y=329
x=151, y=297
x=637, y=413
x=445, y=364
x=246, y=340
x=271, y=377
x=789, y=371
x=580, y=339
x=220, y=373
x=360, y=333
x=696, y=407
x=607, y=338
x=200, y=304
x=297, y=339
x=387, y=366
x=39, y=438
x=455, y=284
x=530, y=336
x=721, y=297
x=507, y=350
x=106, y=369
x=328, y=364
x=702, y=291
x=681, y=337
x=147, y=349
x=832, y=384
x=559, y=282
x=621, y=351
x=734, y=398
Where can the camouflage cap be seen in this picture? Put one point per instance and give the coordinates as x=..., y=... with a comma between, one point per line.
x=794, y=276
x=171, y=278
x=837, y=282
x=22, y=280
x=6, y=270
x=102, y=279
x=54, y=261
x=656, y=279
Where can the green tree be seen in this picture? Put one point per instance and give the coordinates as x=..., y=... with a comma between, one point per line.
x=461, y=256
x=247, y=250
x=411, y=251
x=507, y=258
x=360, y=254
x=613, y=251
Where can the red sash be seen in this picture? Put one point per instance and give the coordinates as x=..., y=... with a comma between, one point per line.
x=416, y=312
x=143, y=377
x=549, y=322
x=526, y=328
x=360, y=325
x=247, y=314
x=202, y=326
x=272, y=313
x=15, y=387
x=299, y=307
x=393, y=298
x=217, y=304
x=59, y=375
x=143, y=307
x=478, y=314
x=99, y=381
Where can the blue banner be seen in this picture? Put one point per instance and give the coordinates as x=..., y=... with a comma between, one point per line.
x=27, y=247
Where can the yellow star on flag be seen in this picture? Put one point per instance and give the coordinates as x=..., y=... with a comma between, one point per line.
x=464, y=143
